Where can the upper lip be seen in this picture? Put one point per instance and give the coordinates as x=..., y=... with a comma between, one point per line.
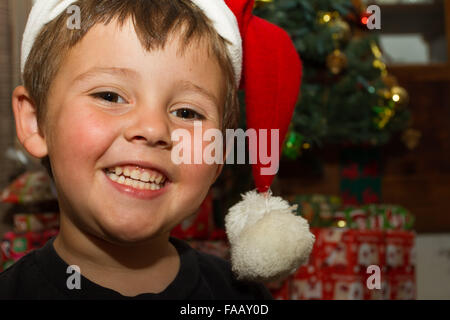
x=142, y=164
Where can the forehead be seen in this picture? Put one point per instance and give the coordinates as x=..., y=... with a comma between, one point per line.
x=119, y=47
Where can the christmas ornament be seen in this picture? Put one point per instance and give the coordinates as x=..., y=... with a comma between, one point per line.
x=324, y=17
x=293, y=145
x=389, y=80
x=385, y=93
x=384, y=116
x=399, y=96
x=336, y=61
x=342, y=31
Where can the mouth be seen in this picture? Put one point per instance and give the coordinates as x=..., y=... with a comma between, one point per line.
x=137, y=177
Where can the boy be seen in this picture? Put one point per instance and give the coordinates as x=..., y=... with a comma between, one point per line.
x=99, y=104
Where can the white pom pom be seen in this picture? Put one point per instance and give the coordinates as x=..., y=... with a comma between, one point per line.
x=267, y=240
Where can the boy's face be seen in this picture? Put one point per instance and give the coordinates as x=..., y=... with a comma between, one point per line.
x=113, y=104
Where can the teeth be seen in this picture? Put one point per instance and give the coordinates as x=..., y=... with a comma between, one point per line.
x=145, y=177
x=135, y=174
x=136, y=179
x=134, y=183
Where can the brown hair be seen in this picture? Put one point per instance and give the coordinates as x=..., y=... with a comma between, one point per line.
x=154, y=22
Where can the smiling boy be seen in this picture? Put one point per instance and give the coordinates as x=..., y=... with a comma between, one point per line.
x=101, y=103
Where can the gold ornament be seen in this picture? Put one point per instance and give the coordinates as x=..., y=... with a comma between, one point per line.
x=385, y=93
x=336, y=61
x=389, y=80
x=400, y=96
x=378, y=64
x=375, y=50
x=343, y=31
x=325, y=17
x=411, y=138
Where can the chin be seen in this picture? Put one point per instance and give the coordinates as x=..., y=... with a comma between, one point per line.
x=131, y=233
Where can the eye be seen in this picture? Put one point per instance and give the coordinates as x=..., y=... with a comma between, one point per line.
x=187, y=114
x=109, y=96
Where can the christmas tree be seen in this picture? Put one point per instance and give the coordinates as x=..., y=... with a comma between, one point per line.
x=347, y=95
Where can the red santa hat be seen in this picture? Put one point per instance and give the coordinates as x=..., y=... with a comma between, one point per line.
x=268, y=240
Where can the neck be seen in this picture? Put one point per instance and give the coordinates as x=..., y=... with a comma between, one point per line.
x=148, y=266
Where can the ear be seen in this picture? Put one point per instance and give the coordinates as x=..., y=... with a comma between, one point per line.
x=26, y=123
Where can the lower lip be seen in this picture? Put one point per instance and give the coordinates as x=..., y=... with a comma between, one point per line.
x=138, y=193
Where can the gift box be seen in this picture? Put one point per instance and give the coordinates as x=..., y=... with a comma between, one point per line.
x=35, y=222
x=343, y=286
x=281, y=290
x=345, y=261
x=30, y=187
x=400, y=249
x=16, y=245
x=402, y=283
x=307, y=284
x=317, y=209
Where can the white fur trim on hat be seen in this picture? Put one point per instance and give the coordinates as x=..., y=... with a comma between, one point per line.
x=217, y=11
x=268, y=241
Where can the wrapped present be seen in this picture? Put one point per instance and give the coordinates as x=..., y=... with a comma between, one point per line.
x=35, y=222
x=400, y=249
x=307, y=283
x=198, y=226
x=388, y=217
x=402, y=283
x=343, y=286
x=332, y=252
x=397, y=217
x=30, y=187
x=317, y=209
x=280, y=290
x=16, y=245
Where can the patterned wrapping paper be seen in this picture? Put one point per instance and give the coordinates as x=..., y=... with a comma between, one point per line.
x=35, y=222
x=337, y=268
x=14, y=246
x=30, y=187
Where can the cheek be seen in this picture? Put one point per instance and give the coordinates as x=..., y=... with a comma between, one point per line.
x=196, y=182
x=80, y=137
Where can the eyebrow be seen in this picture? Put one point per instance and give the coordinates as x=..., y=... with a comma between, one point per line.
x=114, y=71
x=190, y=86
x=129, y=73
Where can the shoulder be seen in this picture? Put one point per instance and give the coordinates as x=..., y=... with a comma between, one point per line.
x=17, y=277
x=223, y=283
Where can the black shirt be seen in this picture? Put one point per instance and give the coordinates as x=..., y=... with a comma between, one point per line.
x=42, y=274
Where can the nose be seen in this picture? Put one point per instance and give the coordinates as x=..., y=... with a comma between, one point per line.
x=149, y=126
